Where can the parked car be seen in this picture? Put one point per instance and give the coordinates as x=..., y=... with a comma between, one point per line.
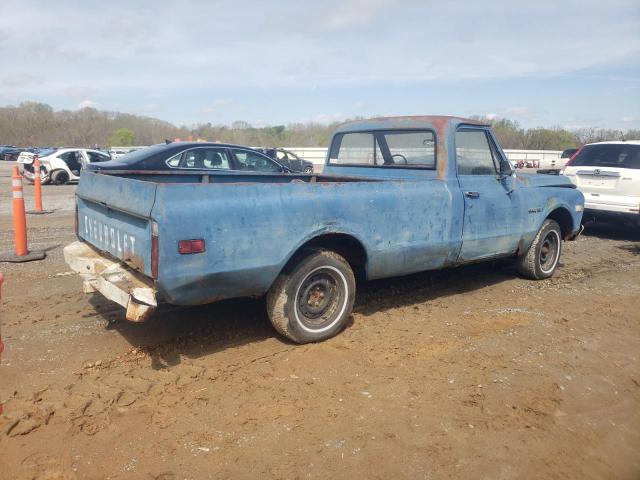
x=401, y=195
x=60, y=166
x=288, y=159
x=181, y=156
x=566, y=155
x=608, y=174
x=9, y=153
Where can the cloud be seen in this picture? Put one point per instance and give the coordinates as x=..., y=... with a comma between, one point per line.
x=17, y=80
x=216, y=107
x=76, y=92
x=88, y=104
x=340, y=52
x=627, y=119
x=325, y=119
x=517, y=111
x=358, y=42
x=354, y=13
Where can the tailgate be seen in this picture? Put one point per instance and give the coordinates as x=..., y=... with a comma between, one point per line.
x=114, y=216
x=611, y=186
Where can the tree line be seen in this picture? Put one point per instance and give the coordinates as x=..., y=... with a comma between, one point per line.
x=37, y=124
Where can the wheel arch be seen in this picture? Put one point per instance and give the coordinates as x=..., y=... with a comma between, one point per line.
x=564, y=218
x=346, y=245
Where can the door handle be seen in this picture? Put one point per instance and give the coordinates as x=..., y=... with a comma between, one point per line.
x=472, y=194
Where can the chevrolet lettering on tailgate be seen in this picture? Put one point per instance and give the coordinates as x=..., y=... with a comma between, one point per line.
x=119, y=243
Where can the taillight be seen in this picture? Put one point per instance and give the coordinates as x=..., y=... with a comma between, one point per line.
x=154, y=250
x=186, y=247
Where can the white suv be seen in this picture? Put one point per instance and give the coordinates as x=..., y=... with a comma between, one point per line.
x=608, y=174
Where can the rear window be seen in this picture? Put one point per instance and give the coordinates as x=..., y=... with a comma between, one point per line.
x=609, y=155
x=142, y=153
x=394, y=148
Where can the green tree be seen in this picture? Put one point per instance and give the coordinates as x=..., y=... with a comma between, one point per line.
x=122, y=137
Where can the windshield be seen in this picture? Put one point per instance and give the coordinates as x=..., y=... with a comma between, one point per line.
x=609, y=155
x=141, y=154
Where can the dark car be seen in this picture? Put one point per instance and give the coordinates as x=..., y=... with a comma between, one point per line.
x=289, y=159
x=194, y=156
x=9, y=152
x=567, y=154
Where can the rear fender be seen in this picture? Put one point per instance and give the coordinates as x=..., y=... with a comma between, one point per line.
x=318, y=234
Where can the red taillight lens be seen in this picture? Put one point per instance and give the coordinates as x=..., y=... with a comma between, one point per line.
x=186, y=247
x=155, y=250
x=154, y=257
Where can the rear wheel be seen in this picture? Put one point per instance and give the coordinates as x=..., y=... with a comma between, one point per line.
x=59, y=177
x=311, y=300
x=308, y=169
x=541, y=260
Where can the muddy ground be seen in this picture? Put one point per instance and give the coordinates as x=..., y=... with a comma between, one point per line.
x=467, y=373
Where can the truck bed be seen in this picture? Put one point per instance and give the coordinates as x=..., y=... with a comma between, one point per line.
x=253, y=223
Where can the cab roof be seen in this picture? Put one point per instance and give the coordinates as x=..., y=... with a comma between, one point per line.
x=436, y=122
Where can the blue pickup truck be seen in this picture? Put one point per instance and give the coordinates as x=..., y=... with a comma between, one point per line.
x=397, y=195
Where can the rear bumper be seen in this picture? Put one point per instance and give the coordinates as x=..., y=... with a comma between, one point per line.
x=113, y=279
x=29, y=175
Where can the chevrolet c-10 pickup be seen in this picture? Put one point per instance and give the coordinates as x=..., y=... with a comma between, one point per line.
x=397, y=195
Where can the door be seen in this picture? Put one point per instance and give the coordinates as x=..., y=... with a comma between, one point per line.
x=492, y=216
x=295, y=162
x=283, y=159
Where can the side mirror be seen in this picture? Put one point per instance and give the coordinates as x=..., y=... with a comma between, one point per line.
x=505, y=168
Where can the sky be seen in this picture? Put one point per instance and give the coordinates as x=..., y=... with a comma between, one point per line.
x=570, y=63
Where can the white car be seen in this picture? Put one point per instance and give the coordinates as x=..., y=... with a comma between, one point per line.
x=608, y=174
x=60, y=166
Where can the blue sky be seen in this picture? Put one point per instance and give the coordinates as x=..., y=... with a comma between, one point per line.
x=567, y=63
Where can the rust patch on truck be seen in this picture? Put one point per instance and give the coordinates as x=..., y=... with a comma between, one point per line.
x=138, y=312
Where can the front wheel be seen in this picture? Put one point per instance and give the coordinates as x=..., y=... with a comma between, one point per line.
x=541, y=260
x=308, y=169
x=311, y=300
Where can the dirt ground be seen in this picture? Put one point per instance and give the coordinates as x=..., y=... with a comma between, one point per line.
x=466, y=373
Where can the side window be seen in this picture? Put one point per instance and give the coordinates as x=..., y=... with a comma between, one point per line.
x=353, y=149
x=411, y=148
x=174, y=161
x=473, y=153
x=280, y=156
x=97, y=157
x=253, y=161
x=72, y=159
x=205, y=158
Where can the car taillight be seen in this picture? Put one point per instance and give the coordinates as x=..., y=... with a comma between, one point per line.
x=155, y=250
x=186, y=247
